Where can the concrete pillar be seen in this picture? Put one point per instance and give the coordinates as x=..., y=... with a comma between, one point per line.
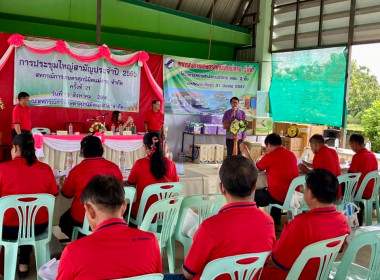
x=262, y=54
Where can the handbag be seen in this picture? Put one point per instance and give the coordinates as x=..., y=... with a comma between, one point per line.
x=351, y=212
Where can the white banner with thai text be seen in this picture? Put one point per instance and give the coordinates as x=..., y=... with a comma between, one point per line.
x=58, y=80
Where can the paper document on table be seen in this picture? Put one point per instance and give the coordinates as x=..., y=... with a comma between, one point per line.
x=64, y=172
x=49, y=271
x=371, y=228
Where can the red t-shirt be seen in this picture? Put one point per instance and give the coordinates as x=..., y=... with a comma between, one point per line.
x=21, y=115
x=328, y=159
x=142, y=177
x=154, y=120
x=112, y=251
x=281, y=168
x=16, y=177
x=80, y=175
x=238, y=228
x=307, y=228
x=109, y=126
x=364, y=161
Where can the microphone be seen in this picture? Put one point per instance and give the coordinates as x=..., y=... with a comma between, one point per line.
x=91, y=120
x=105, y=114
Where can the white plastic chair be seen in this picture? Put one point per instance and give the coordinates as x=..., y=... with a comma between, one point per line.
x=237, y=271
x=348, y=269
x=159, y=190
x=350, y=180
x=325, y=250
x=374, y=177
x=26, y=211
x=298, y=181
x=206, y=205
x=166, y=214
x=43, y=130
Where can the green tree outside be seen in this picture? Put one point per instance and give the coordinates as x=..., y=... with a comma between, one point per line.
x=371, y=124
x=364, y=90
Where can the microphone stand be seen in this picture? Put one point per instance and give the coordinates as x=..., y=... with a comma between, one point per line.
x=104, y=118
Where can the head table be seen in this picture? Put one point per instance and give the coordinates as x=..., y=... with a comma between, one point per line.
x=55, y=149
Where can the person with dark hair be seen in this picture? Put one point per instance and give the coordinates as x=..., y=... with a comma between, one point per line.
x=324, y=157
x=121, y=251
x=25, y=175
x=91, y=149
x=154, y=120
x=229, y=116
x=21, y=120
x=281, y=168
x=322, y=222
x=117, y=120
x=363, y=161
x=154, y=168
x=240, y=227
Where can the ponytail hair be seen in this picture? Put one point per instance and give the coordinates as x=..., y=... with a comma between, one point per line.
x=157, y=159
x=25, y=142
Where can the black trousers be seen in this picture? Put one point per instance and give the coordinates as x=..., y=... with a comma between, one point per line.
x=14, y=133
x=67, y=223
x=11, y=233
x=263, y=198
x=230, y=146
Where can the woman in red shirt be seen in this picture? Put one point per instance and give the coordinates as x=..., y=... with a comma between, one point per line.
x=117, y=121
x=161, y=170
x=25, y=175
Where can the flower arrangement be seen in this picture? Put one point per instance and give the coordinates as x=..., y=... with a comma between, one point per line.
x=237, y=126
x=1, y=104
x=97, y=127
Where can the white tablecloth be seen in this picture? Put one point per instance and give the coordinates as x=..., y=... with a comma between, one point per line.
x=55, y=150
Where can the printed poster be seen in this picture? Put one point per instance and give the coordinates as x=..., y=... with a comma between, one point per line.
x=196, y=86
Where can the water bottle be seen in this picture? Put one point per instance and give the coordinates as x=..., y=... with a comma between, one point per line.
x=120, y=129
x=368, y=145
x=336, y=143
x=307, y=154
x=122, y=161
x=70, y=160
x=71, y=129
x=113, y=128
x=133, y=129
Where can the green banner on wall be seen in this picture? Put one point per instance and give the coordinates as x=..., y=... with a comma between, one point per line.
x=195, y=86
x=309, y=86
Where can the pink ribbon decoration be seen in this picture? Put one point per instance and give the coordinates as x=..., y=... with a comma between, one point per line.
x=38, y=141
x=16, y=40
x=101, y=136
x=61, y=47
x=104, y=52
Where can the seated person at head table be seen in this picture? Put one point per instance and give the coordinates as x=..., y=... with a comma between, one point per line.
x=24, y=174
x=324, y=157
x=117, y=120
x=152, y=169
x=240, y=227
x=281, y=168
x=363, y=161
x=91, y=149
x=113, y=250
x=322, y=222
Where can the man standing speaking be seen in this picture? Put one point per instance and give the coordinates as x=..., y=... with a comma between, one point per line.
x=229, y=116
x=154, y=120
